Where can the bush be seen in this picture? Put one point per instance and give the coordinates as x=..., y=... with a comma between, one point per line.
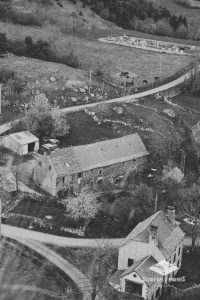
x=70, y=60
x=5, y=75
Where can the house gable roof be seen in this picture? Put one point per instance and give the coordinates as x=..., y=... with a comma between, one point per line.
x=168, y=235
x=86, y=157
x=142, y=269
x=24, y=137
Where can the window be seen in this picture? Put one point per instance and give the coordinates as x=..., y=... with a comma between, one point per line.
x=63, y=180
x=133, y=288
x=79, y=175
x=92, y=170
x=174, y=257
x=179, y=251
x=100, y=172
x=130, y=262
x=179, y=264
x=158, y=293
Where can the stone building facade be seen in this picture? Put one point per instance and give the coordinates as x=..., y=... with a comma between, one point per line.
x=67, y=171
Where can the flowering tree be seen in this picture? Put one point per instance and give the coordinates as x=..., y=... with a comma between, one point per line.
x=84, y=207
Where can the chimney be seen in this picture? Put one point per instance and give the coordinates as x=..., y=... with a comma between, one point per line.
x=153, y=235
x=171, y=214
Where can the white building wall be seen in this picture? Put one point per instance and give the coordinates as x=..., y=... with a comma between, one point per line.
x=134, y=277
x=137, y=250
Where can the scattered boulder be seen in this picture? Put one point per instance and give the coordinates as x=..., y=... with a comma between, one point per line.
x=74, y=99
x=52, y=79
x=119, y=110
x=170, y=112
x=82, y=90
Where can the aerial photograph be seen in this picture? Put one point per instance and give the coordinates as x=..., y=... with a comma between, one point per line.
x=99, y=149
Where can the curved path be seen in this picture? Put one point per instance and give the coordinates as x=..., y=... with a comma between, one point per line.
x=78, y=278
x=17, y=233
x=134, y=97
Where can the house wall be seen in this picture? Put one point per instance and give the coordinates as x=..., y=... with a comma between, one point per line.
x=134, y=277
x=7, y=142
x=44, y=175
x=37, y=146
x=176, y=258
x=137, y=250
x=151, y=295
x=91, y=177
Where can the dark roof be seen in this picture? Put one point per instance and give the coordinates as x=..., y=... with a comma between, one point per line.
x=169, y=235
x=86, y=157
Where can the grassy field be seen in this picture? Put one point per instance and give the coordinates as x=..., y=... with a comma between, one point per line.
x=95, y=55
x=20, y=268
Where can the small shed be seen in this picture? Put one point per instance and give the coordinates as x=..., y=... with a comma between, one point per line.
x=22, y=142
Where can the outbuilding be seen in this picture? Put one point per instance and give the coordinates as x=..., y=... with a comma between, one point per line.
x=22, y=142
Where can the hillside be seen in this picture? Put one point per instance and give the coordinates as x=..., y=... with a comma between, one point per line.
x=192, y=14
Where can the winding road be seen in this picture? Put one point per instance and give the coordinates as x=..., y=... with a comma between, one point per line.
x=82, y=282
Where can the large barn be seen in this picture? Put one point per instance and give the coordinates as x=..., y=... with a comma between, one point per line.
x=69, y=170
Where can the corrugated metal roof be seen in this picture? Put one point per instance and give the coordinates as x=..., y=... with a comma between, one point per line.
x=100, y=154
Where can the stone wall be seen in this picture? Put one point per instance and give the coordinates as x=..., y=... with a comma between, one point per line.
x=93, y=177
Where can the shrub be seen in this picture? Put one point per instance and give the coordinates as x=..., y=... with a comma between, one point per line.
x=5, y=75
x=70, y=60
x=3, y=43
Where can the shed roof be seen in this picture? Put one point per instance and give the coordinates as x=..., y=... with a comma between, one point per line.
x=24, y=137
x=86, y=157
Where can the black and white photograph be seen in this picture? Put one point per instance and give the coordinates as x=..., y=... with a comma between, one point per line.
x=99, y=149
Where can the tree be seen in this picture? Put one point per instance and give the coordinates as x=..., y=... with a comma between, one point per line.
x=83, y=208
x=193, y=196
x=3, y=43
x=43, y=120
x=98, y=265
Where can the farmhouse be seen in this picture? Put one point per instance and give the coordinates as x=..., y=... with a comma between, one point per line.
x=65, y=171
x=151, y=253
x=22, y=142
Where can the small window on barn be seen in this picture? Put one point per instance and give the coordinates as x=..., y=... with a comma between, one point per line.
x=130, y=262
x=100, y=172
x=50, y=167
x=40, y=163
x=79, y=175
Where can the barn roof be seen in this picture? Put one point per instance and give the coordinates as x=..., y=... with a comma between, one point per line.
x=86, y=157
x=24, y=137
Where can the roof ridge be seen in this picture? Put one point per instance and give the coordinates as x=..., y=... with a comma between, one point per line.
x=145, y=259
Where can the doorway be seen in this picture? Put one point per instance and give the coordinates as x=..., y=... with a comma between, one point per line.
x=31, y=147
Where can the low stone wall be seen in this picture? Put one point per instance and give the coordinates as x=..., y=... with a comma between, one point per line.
x=176, y=293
